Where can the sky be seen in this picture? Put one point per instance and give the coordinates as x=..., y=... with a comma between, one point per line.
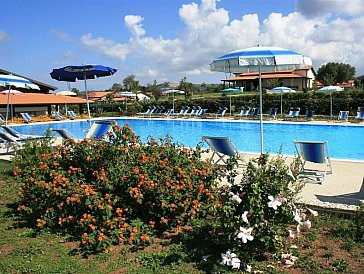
x=167, y=40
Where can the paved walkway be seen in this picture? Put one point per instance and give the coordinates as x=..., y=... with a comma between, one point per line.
x=343, y=189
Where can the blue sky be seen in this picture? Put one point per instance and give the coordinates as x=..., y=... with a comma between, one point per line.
x=166, y=40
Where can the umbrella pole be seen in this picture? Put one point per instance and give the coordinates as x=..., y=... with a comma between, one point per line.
x=230, y=105
x=7, y=107
x=330, y=106
x=261, y=110
x=88, y=105
x=281, y=103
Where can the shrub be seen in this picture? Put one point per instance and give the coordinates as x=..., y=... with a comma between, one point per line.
x=258, y=213
x=104, y=193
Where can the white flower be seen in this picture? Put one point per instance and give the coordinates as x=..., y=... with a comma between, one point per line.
x=291, y=234
x=298, y=228
x=245, y=234
x=230, y=259
x=255, y=165
x=290, y=174
x=245, y=216
x=274, y=202
x=290, y=187
x=204, y=258
x=234, y=263
x=248, y=268
x=307, y=224
x=297, y=216
x=235, y=198
x=313, y=212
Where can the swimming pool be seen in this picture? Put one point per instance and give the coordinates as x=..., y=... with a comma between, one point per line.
x=345, y=141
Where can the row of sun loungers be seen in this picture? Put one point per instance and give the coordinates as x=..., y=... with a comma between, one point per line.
x=313, y=156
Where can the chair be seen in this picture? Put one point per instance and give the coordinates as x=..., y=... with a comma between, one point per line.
x=293, y=113
x=220, y=112
x=310, y=115
x=16, y=134
x=202, y=113
x=360, y=116
x=10, y=141
x=255, y=114
x=169, y=112
x=195, y=110
x=71, y=114
x=148, y=112
x=57, y=115
x=318, y=157
x=2, y=120
x=98, y=130
x=26, y=117
x=182, y=112
x=343, y=116
x=223, y=147
x=243, y=113
x=272, y=115
x=158, y=111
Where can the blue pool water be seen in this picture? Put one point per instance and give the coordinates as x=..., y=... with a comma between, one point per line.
x=345, y=141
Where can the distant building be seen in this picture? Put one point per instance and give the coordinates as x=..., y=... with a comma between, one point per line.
x=297, y=79
x=44, y=88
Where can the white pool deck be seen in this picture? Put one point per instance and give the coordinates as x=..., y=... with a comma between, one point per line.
x=343, y=189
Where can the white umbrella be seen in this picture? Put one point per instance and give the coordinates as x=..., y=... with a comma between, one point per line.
x=260, y=59
x=231, y=90
x=331, y=89
x=282, y=90
x=173, y=92
x=66, y=93
x=15, y=81
x=127, y=94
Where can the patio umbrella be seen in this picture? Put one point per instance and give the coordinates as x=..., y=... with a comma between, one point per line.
x=330, y=89
x=231, y=90
x=282, y=90
x=14, y=81
x=127, y=94
x=260, y=59
x=84, y=72
x=173, y=92
x=66, y=93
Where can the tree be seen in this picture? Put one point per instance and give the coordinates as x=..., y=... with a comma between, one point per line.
x=187, y=87
x=333, y=73
x=117, y=87
x=130, y=84
x=154, y=90
x=75, y=90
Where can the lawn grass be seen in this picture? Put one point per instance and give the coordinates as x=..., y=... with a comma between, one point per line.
x=329, y=247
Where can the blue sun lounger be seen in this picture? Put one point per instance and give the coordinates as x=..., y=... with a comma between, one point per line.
x=71, y=114
x=315, y=154
x=169, y=112
x=360, y=116
x=222, y=147
x=255, y=114
x=272, y=115
x=26, y=117
x=220, y=112
x=16, y=134
x=98, y=130
x=293, y=114
x=343, y=116
x=57, y=115
x=243, y=113
x=195, y=111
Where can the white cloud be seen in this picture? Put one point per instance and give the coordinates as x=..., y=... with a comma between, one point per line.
x=3, y=36
x=133, y=23
x=108, y=48
x=61, y=35
x=209, y=33
x=313, y=8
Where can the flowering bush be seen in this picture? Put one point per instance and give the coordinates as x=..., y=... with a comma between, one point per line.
x=104, y=193
x=258, y=213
